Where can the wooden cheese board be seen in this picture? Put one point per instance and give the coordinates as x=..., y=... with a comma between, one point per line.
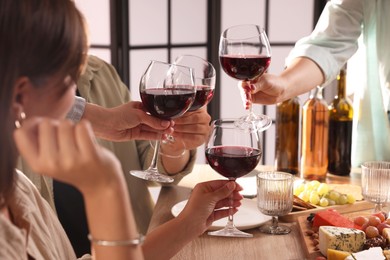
x=304, y=226
x=347, y=208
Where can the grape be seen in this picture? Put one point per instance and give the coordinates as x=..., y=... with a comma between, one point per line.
x=304, y=196
x=374, y=220
x=351, y=199
x=323, y=189
x=299, y=189
x=380, y=216
x=308, y=186
x=381, y=226
x=324, y=202
x=331, y=202
x=334, y=195
x=314, y=184
x=314, y=198
x=361, y=221
x=372, y=232
x=342, y=199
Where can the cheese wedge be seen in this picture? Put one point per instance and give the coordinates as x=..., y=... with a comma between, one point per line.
x=373, y=253
x=338, y=238
x=337, y=254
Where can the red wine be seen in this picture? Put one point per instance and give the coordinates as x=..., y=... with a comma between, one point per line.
x=167, y=103
x=244, y=68
x=233, y=161
x=203, y=96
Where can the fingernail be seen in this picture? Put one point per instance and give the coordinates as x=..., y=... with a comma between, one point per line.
x=231, y=185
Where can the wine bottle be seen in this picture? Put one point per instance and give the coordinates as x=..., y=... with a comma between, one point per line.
x=340, y=130
x=287, y=136
x=315, y=125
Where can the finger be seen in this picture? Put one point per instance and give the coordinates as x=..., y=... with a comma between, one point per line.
x=48, y=143
x=67, y=141
x=85, y=139
x=224, y=191
x=153, y=122
x=227, y=203
x=222, y=213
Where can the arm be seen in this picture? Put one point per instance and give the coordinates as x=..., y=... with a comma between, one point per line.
x=70, y=154
x=203, y=207
x=316, y=59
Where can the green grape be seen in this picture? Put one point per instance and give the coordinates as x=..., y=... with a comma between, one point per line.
x=324, y=202
x=342, y=199
x=334, y=195
x=323, y=189
x=304, y=196
x=308, y=186
x=314, y=184
x=351, y=199
x=331, y=202
x=299, y=189
x=314, y=198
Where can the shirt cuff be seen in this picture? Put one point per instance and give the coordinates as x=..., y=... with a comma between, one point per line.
x=76, y=112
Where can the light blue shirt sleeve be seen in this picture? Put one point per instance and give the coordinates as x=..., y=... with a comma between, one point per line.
x=334, y=39
x=77, y=111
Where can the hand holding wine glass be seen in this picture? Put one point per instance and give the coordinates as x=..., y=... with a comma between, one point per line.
x=191, y=126
x=232, y=153
x=167, y=92
x=245, y=54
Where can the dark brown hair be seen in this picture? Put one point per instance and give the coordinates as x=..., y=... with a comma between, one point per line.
x=38, y=39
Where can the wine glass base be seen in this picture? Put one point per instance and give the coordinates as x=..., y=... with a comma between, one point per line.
x=229, y=232
x=254, y=122
x=152, y=176
x=278, y=230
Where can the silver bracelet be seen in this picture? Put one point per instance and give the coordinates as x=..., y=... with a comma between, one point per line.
x=130, y=242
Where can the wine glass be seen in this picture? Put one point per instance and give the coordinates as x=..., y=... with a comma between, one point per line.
x=167, y=91
x=204, y=73
x=376, y=183
x=204, y=77
x=245, y=54
x=233, y=153
x=275, y=198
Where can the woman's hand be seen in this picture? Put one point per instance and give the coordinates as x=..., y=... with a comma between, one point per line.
x=206, y=203
x=126, y=122
x=67, y=152
x=192, y=128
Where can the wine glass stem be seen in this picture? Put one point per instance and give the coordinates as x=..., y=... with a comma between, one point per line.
x=230, y=223
x=378, y=207
x=153, y=164
x=275, y=222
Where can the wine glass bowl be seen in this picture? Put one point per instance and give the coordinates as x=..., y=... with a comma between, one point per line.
x=232, y=153
x=376, y=182
x=275, y=198
x=204, y=76
x=167, y=91
x=245, y=54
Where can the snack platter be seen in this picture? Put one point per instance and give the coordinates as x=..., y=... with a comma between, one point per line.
x=309, y=247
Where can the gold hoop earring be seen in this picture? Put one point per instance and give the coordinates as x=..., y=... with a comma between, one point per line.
x=18, y=122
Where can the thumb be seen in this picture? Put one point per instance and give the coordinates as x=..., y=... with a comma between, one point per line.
x=156, y=123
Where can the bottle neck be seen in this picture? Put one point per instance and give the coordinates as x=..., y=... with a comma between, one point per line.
x=341, y=86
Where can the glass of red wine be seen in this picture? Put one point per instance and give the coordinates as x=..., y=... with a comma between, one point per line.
x=245, y=54
x=204, y=73
x=167, y=91
x=233, y=153
x=204, y=77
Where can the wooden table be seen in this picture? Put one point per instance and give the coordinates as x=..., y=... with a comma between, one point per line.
x=261, y=246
